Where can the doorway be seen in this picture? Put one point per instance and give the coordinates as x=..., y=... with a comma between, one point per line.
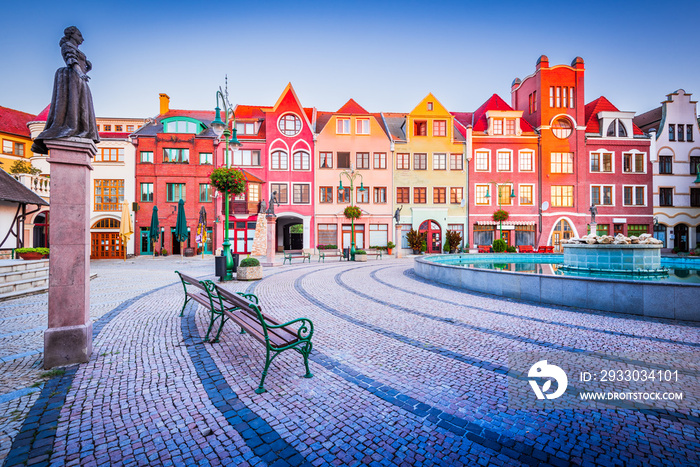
x=562, y=231
x=433, y=235
x=680, y=234
x=41, y=231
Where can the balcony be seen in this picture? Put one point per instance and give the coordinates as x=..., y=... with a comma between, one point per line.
x=39, y=184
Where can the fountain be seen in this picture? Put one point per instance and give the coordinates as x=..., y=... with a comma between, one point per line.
x=609, y=255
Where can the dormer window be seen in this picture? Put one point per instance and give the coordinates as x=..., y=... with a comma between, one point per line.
x=181, y=126
x=617, y=128
x=497, y=126
x=420, y=128
x=342, y=126
x=362, y=126
x=510, y=126
x=245, y=128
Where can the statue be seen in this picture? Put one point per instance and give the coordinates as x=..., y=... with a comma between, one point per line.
x=273, y=201
x=262, y=206
x=397, y=214
x=71, y=113
x=594, y=211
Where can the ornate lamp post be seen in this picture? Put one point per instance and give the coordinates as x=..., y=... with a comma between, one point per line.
x=512, y=195
x=351, y=175
x=222, y=128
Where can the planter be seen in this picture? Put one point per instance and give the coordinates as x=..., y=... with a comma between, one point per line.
x=416, y=252
x=249, y=273
x=361, y=258
x=389, y=250
x=31, y=256
x=188, y=252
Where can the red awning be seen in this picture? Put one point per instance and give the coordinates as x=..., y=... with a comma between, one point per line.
x=492, y=222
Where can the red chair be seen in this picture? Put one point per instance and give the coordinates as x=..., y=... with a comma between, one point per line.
x=542, y=249
x=484, y=248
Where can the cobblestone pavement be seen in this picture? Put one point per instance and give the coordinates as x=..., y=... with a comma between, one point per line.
x=405, y=373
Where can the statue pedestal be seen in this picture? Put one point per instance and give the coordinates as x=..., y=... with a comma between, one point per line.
x=397, y=240
x=68, y=339
x=594, y=228
x=271, y=240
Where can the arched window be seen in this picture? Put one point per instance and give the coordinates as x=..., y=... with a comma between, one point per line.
x=107, y=224
x=301, y=160
x=619, y=126
x=289, y=125
x=562, y=128
x=280, y=160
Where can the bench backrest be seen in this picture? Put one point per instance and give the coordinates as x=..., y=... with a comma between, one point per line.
x=245, y=305
x=188, y=280
x=293, y=252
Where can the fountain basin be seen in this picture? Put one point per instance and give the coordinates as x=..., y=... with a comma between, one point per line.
x=623, y=258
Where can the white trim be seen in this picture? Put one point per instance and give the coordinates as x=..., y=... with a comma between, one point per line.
x=534, y=194
x=488, y=159
x=574, y=231
x=279, y=118
x=510, y=152
x=269, y=192
x=600, y=151
x=634, y=152
x=291, y=195
x=590, y=194
x=532, y=160
x=634, y=196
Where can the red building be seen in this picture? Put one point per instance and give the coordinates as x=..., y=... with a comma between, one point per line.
x=174, y=159
x=588, y=154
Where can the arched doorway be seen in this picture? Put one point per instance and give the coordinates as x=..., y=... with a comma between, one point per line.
x=105, y=242
x=562, y=231
x=40, y=233
x=433, y=235
x=680, y=240
x=290, y=233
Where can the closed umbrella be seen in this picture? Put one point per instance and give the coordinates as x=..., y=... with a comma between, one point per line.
x=126, y=229
x=202, y=228
x=154, y=231
x=181, y=225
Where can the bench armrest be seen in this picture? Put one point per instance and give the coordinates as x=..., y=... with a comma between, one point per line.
x=252, y=297
x=305, y=331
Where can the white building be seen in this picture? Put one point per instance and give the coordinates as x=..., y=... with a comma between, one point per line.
x=675, y=154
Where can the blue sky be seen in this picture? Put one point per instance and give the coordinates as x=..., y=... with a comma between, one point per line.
x=387, y=55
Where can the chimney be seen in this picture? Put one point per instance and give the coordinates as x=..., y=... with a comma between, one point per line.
x=164, y=103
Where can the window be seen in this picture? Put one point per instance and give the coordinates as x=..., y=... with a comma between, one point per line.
x=175, y=192
x=504, y=195
x=362, y=195
x=482, y=161
x=380, y=160
x=419, y=195
x=551, y=96
x=439, y=128
x=253, y=192
x=562, y=196
x=602, y=195
x=344, y=195
x=181, y=156
x=562, y=128
x=672, y=132
x=147, y=192
x=695, y=197
x=289, y=125
x=558, y=95
x=342, y=126
x=362, y=160
x=689, y=133
x=439, y=195
x=665, y=164
x=637, y=229
x=633, y=195
x=497, y=126
x=456, y=194
x=527, y=161
x=378, y=234
x=429, y=106
x=204, y=193
x=327, y=234
x=109, y=194
x=246, y=157
x=694, y=165
x=12, y=147
x=403, y=161
x=130, y=128
x=420, y=161
x=633, y=162
x=439, y=161
x=343, y=160
x=379, y=195
x=563, y=96
x=403, y=195
x=459, y=228
x=147, y=157
x=405, y=228
x=108, y=127
x=325, y=194
x=180, y=126
x=206, y=158
x=510, y=126
x=617, y=128
x=282, y=194
x=665, y=196
x=302, y=160
x=280, y=160
x=110, y=155
x=680, y=133
x=481, y=192
x=503, y=159
x=245, y=128
x=362, y=126
x=456, y=162
x=562, y=163
x=301, y=193
x=483, y=234
x=119, y=128
x=420, y=128
x=571, y=98
x=325, y=160
x=600, y=162
x=526, y=198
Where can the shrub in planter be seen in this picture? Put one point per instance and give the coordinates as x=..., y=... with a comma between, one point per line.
x=390, y=246
x=454, y=239
x=164, y=252
x=352, y=212
x=511, y=249
x=360, y=255
x=415, y=240
x=327, y=247
x=249, y=270
x=228, y=179
x=32, y=253
x=499, y=246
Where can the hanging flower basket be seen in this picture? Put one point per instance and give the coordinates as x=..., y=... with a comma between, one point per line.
x=230, y=180
x=500, y=215
x=353, y=212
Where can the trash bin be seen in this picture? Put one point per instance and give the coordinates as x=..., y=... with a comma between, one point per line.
x=220, y=267
x=235, y=262
x=346, y=253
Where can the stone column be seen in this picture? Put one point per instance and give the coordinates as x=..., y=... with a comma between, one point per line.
x=397, y=240
x=271, y=240
x=68, y=339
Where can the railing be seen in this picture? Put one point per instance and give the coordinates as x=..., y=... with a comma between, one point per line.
x=39, y=184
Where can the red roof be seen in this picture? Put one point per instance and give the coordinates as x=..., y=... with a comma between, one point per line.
x=493, y=103
x=352, y=108
x=15, y=122
x=43, y=115
x=465, y=118
x=309, y=114
x=249, y=177
x=114, y=135
x=204, y=115
x=249, y=112
x=602, y=105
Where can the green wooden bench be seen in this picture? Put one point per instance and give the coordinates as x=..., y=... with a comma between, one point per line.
x=377, y=253
x=291, y=254
x=323, y=254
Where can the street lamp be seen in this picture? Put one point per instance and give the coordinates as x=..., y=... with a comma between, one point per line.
x=351, y=175
x=512, y=195
x=222, y=128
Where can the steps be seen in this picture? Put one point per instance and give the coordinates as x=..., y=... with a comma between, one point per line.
x=19, y=278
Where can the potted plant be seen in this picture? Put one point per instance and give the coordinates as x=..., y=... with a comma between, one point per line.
x=228, y=179
x=360, y=255
x=389, y=247
x=415, y=241
x=164, y=252
x=29, y=254
x=511, y=249
x=453, y=239
x=499, y=246
x=249, y=270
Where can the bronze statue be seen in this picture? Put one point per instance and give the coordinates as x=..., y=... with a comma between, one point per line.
x=273, y=201
x=397, y=214
x=262, y=206
x=71, y=112
x=594, y=211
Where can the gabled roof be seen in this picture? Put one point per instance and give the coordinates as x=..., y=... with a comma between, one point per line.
x=480, y=122
x=322, y=119
x=352, y=108
x=15, y=122
x=251, y=113
x=464, y=118
x=43, y=115
x=307, y=111
x=602, y=104
x=395, y=125
x=249, y=177
x=649, y=120
x=382, y=123
x=13, y=191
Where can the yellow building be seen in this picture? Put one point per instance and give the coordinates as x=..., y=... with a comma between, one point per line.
x=16, y=139
x=429, y=172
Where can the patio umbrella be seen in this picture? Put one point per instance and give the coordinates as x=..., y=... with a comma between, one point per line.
x=202, y=228
x=126, y=229
x=181, y=225
x=154, y=231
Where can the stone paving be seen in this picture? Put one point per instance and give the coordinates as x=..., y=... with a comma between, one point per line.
x=405, y=373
